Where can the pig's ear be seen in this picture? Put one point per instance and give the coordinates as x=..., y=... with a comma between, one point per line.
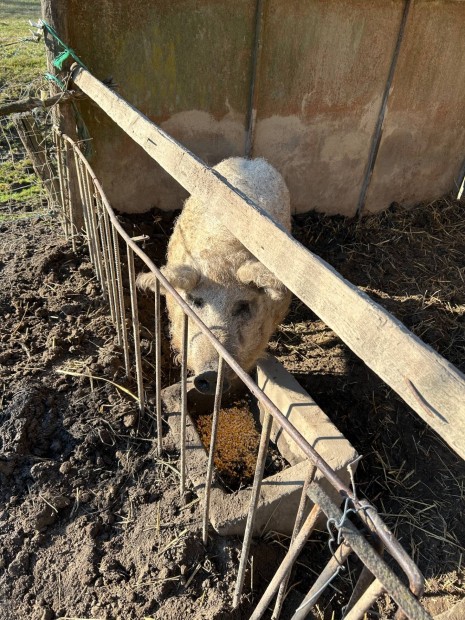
x=255, y=274
x=183, y=277
x=180, y=276
x=146, y=281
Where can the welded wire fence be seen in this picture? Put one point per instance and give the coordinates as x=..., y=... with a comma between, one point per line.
x=19, y=183
x=354, y=530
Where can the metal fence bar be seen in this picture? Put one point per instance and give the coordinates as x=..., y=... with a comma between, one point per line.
x=120, y=293
x=114, y=280
x=297, y=525
x=111, y=267
x=135, y=327
x=286, y=565
x=368, y=598
x=326, y=576
x=212, y=450
x=103, y=242
x=72, y=223
x=257, y=483
x=85, y=211
x=185, y=334
x=376, y=524
x=364, y=581
x=157, y=334
x=94, y=243
x=60, y=166
x=347, y=530
x=374, y=563
x=98, y=246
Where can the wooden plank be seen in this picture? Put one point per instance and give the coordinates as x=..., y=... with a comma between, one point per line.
x=432, y=387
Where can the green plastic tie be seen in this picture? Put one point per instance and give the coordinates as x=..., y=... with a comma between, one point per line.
x=54, y=78
x=67, y=51
x=58, y=62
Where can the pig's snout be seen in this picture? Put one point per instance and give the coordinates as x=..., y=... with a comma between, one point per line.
x=205, y=383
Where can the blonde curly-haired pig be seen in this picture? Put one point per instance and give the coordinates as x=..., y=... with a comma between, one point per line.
x=233, y=293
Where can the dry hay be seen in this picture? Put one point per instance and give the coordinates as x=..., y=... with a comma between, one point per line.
x=411, y=261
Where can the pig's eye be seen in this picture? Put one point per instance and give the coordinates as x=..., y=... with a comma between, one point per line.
x=242, y=308
x=195, y=302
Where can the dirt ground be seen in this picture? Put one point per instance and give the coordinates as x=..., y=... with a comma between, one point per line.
x=91, y=524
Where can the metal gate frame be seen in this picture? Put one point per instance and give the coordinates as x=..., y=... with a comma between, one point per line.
x=104, y=234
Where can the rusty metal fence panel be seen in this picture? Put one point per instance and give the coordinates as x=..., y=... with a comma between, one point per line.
x=104, y=234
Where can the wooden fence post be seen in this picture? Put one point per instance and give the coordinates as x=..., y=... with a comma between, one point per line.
x=54, y=13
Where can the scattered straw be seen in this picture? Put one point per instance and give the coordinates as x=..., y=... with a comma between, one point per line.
x=73, y=373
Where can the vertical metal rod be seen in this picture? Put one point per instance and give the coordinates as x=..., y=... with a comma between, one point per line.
x=111, y=265
x=135, y=325
x=120, y=292
x=340, y=556
x=71, y=213
x=297, y=524
x=85, y=214
x=61, y=181
x=368, y=598
x=364, y=580
x=185, y=330
x=114, y=284
x=288, y=562
x=257, y=483
x=103, y=241
x=158, y=367
x=64, y=186
x=211, y=454
x=378, y=131
x=98, y=251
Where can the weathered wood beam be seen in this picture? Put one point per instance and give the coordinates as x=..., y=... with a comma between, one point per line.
x=433, y=387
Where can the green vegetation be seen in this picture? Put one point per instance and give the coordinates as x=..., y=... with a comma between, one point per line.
x=22, y=61
x=17, y=181
x=22, y=65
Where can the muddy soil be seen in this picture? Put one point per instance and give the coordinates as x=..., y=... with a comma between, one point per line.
x=91, y=523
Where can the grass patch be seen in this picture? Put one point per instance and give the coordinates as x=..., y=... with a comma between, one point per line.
x=18, y=182
x=22, y=68
x=14, y=217
x=22, y=63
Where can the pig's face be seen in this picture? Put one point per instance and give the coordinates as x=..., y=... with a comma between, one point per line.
x=242, y=312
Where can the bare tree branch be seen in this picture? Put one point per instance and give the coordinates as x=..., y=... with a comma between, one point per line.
x=26, y=105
